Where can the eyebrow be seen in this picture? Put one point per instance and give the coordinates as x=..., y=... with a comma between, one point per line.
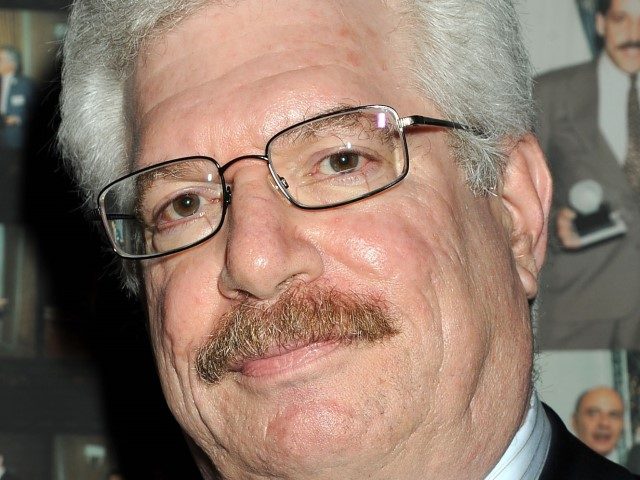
x=338, y=107
x=307, y=131
x=168, y=171
x=179, y=170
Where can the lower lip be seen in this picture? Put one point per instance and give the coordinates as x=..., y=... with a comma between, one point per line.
x=288, y=361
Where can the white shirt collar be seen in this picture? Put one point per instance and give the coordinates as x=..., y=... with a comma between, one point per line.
x=6, y=83
x=613, y=91
x=525, y=456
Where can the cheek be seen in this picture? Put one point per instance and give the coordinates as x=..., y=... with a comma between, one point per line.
x=419, y=263
x=182, y=306
x=375, y=245
x=182, y=300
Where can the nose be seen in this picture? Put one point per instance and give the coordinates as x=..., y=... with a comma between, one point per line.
x=267, y=248
x=603, y=420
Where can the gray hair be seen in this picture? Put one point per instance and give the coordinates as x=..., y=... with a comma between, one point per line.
x=468, y=60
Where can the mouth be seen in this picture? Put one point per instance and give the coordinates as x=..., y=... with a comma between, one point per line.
x=635, y=48
x=602, y=437
x=280, y=360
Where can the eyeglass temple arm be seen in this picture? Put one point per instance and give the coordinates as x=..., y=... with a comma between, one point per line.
x=436, y=122
x=94, y=216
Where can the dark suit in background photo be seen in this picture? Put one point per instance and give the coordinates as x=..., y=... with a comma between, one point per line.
x=17, y=94
x=590, y=297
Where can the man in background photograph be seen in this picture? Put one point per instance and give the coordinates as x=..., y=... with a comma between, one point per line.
x=16, y=102
x=598, y=419
x=16, y=99
x=589, y=128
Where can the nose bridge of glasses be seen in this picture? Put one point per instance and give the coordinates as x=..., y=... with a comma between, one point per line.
x=230, y=163
x=260, y=158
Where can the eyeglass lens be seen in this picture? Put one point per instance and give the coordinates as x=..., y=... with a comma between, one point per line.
x=339, y=158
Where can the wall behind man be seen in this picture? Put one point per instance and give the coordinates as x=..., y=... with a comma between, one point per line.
x=553, y=33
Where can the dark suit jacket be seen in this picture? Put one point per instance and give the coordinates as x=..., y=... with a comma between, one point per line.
x=570, y=459
x=589, y=298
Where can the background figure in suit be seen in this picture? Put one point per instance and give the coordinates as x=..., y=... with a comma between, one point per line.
x=16, y=100
x=591, y=297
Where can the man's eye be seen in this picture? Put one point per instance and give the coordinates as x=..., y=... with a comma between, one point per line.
x=183, y=206
x=186, y=205
x=340, y=162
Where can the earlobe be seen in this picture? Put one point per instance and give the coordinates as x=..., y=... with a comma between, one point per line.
x=526, y=195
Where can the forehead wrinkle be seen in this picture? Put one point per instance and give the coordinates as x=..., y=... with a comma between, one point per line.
x=291, y=105
x=161, y=82
x=213, y=138
x=226, y=54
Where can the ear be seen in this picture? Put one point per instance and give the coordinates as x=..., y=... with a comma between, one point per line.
x=600, y=24
x=526, y=196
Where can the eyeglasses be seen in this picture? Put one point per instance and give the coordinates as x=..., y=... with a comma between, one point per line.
x=324, y=162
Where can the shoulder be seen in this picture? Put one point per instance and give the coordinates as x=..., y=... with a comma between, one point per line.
x=569, y=458
x=566, y=80
x=568, y=74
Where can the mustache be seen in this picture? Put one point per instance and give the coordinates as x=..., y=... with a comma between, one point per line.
x=629, y=44
x=301, y=316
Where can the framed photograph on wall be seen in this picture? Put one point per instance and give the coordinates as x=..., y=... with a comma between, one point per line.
x=82, y=457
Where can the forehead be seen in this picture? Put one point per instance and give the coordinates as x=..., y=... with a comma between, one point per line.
x=625, y=6
x=602, y=399
x=256, y=62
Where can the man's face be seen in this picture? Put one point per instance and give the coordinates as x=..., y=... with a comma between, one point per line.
x=423, y=401
x=620, y=29
x=598, y=421
x=6, y=63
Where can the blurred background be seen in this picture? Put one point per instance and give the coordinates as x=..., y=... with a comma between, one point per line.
x=79, y=396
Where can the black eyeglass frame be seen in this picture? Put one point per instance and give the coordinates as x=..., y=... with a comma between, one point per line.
x=100, y=213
